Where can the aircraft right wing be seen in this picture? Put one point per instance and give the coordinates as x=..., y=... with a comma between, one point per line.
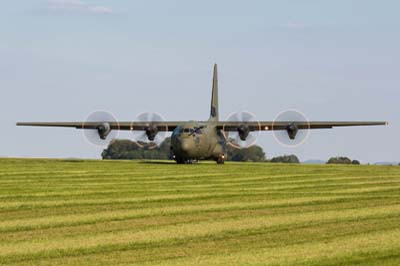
x=161, y=126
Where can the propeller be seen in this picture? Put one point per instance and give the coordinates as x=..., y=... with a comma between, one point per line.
x=291, y=136
x=151, y=137
x=243, y=137
x=101, y=134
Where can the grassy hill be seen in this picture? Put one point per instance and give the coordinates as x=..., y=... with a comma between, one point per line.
x=56, y=212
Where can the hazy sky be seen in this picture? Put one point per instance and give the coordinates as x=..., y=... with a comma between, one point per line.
x=333, y=60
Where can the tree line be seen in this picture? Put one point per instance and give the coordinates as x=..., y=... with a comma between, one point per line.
x=130, y=150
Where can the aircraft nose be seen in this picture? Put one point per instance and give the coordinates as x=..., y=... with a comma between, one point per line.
x=184, y=145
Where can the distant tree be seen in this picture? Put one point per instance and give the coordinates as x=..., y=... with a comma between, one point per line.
x=251, y=154
x=285, y=159
x=128, y=150
x=339, y=160
x=356, y=162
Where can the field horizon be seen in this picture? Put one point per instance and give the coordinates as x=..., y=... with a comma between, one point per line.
x=79, y=212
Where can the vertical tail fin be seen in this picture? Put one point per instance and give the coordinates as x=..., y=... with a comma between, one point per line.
x=214, y=113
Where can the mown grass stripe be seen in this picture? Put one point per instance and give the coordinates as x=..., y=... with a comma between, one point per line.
x=323, y=203
x=189, y=230
x=230, y=241
x=153, y=222
x=13, y=224
x=106, y=191
x=301, y=254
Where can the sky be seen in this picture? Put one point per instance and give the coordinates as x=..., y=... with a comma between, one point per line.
x=333, y=60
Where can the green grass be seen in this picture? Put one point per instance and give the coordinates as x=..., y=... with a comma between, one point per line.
x=55, y=212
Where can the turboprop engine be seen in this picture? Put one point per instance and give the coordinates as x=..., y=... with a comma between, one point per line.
x=243, y=131
x=104, y=129
x=292, y=130
x=151, y=132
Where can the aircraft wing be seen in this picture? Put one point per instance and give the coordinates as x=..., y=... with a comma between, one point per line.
x=283, y=125
x=224, y=125
x=161, y=126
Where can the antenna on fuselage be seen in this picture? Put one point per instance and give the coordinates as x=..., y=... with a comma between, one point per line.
x=214, y=113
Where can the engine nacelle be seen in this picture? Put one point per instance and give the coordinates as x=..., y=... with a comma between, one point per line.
x=292, y=130
x=104, y=129
x=151, y=132
x=243, y=131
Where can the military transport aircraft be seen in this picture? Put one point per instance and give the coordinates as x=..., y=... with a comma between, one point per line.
x=203, y=140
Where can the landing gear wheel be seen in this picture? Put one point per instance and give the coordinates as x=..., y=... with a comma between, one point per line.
x=221, y=159
x=184, y=161
x=180, y=161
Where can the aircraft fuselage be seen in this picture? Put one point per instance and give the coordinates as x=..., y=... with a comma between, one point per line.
x=197, y=141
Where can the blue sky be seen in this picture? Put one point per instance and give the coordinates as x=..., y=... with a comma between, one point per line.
x=333, y=60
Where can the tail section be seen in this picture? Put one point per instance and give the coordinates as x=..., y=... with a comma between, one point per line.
x=214, y=114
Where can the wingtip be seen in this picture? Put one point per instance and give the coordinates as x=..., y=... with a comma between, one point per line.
x=22, y=124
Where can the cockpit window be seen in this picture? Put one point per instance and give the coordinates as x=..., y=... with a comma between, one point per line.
x=188, y=130
x=177, y=130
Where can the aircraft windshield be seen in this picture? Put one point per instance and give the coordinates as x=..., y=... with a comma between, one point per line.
x=188, y=130
x=177, y=130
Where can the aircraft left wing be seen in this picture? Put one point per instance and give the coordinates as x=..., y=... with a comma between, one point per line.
x=284, y=125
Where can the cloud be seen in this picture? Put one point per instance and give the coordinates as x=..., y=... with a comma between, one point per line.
x=101, y=9
x=77, y=6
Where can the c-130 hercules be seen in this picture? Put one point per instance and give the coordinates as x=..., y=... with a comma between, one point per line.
x=204, y=140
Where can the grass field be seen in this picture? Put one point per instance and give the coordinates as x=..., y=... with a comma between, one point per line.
x=55, y=212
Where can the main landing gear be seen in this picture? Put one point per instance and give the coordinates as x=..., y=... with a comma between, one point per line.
x=221, y=159
x=185, y=161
